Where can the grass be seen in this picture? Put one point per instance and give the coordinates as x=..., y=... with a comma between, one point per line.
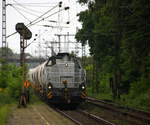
x=140, y=101
x=4, y=111
x=5, y=105
x=102, y=96
x=6, y=101
x=35, y=100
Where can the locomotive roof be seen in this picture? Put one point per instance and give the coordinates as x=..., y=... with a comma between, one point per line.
x=59, y=56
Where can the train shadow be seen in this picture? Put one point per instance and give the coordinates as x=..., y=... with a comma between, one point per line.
x=61, y=106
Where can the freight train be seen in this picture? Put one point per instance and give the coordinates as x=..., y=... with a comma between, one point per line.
x=60, y=79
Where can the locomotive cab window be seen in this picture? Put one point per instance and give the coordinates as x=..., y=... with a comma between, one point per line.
x=51, y=62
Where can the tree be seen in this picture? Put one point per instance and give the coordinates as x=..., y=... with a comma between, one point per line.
x=9, y=52
x=117, y=32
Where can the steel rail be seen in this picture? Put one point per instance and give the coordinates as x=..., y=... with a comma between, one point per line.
x=69, y=117
x=121, y=109
x=146, y=113
x=97, y=118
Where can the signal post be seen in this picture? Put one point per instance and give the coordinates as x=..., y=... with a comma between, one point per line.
x=25, y=34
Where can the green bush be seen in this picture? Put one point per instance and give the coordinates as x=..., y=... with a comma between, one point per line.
x=103, y=94
x=14, y=81
x=11, y=83
x=5, y=98
x=14, y=88
x=137, y=97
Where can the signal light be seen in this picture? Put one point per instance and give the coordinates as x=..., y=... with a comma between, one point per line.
x=60, y=4
x=66, y=8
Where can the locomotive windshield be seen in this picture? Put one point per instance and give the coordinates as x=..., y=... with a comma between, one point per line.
x=51, y=61
x=63, y=57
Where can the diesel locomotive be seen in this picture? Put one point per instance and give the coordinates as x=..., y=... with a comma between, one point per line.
x=60, y=79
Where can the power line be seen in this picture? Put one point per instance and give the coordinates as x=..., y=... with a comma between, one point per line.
x=42, y=15
x=46, y=17
x=36, y=3
x=36, y=19
x=28, y=12
x=21, y=13
x=26, y=7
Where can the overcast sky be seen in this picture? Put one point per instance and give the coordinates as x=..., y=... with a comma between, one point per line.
x=26, y=11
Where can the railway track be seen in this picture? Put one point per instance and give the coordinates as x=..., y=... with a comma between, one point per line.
x=68, y=116
x=97, y=118
x=81, y=117
x=141, y=116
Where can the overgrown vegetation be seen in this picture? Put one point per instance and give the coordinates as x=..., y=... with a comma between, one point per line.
x=10, y=81
x=10, y=88
x=118, y=35
x=4, y=111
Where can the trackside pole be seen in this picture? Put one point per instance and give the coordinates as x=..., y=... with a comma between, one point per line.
x=24, y=94
x=25, y=34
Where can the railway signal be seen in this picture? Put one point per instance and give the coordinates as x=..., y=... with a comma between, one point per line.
x=25, y=34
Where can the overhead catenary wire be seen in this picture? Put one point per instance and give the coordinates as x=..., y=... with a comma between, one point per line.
x=34, y=5
x=46, y=3
x=21, y=13
x=42, y=15
x=26, y=7
x=53, y=26
x=27, y=12
x=46, y=17
x=35, y=19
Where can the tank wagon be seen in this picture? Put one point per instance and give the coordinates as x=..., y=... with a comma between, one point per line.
x=60, y=79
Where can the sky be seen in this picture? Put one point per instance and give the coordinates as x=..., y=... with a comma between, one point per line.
x=26, y=11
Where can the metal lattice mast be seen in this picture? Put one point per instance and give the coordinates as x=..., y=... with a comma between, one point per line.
x=4, y=44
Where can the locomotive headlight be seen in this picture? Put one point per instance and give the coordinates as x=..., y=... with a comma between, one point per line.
x=66, y=64
x=49, y=87
x=83, y=87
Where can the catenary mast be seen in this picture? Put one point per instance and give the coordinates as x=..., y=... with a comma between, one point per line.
x=4, y=44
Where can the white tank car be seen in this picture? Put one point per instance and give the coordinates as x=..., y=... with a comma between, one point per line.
x=60, y=79
x=37, y=75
